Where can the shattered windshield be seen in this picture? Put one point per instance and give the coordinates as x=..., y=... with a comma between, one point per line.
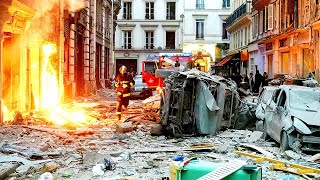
x=302, y=99
x=150, y=67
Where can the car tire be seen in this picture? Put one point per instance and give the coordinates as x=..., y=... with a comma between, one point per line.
x=164, y=73
x=284, y=141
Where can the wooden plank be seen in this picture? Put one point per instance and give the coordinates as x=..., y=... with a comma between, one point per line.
x=7, y=169
x=50, y=131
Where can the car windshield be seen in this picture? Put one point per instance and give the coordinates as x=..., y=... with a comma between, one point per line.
x=150, y=67
x=302, y=99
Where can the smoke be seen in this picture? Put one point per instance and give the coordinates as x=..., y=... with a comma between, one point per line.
x=43, y=7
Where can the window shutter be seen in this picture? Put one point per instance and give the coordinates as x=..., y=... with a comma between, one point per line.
x=261, y=22
x=270, y=17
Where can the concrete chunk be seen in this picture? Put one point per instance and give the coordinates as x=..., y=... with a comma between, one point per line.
x=124, y=127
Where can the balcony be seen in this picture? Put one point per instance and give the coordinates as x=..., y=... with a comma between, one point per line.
x=259, y=4
x=240, y=16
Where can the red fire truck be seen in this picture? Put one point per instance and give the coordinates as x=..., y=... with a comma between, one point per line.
x=163, y=61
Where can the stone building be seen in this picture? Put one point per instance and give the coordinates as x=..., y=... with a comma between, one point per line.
x=145, y=29
x=287, y=34
x=204, y=31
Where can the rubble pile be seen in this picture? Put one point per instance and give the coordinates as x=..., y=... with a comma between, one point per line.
x=107, y=154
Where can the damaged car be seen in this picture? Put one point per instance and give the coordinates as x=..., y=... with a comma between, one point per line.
x=292, y=117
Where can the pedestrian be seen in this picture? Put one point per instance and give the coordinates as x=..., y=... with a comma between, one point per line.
x=257, y=83
x=244, y=78
x=265, y=79
x=124, y=83
x=251, y=82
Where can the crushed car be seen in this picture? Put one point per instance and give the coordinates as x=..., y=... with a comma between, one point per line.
x=291, y=116
x=194, y=102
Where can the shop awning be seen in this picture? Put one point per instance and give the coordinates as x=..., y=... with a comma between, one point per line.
x=244, y=56
x=224, y=61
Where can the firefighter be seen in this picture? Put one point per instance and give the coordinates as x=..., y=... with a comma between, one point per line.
x=124, y=83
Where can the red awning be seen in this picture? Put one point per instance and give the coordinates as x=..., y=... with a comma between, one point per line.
x=224, y=61
x=244, y=55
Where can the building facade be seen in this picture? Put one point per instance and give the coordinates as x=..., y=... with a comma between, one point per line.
x=204, y=31
x=287, y=32
x=88, y=55
x=145, y=29
x=239, y=26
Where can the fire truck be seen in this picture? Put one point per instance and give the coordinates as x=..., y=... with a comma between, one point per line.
x=163, y=61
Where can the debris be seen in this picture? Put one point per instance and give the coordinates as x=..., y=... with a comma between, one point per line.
x=282, y=165
x=98, y=170
x=259, y=149
x=129, y=178
x=50, y=131
x=156, y=129
x=255, y=136
x=50, y=167
x=292, y=155
x=314, y=158
x=66, y=175
x=46, y=176
x=26, y=163
x=7, y=169
x=124, y=127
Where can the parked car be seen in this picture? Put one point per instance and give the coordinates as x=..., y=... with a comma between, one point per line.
x=139, y=85
x=263, y=98
x=292, y=117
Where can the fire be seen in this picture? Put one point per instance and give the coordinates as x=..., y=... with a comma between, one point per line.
x=7, y=115
x=50, y=88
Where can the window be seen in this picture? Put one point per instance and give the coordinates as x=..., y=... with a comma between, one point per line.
x=224, y=31
x=225, y=3
x=149, y=40
x=171, y=10
x=270, y=17
x=245, y=36
x=170, y=40
x=149, y=10
x=127, y=10
x=200, y=4
x=127, y=40
x=199, y=29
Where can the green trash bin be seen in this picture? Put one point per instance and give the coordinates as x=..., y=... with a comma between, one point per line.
x=196, y=169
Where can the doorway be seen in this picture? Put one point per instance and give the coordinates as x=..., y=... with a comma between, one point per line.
x=79, y=65
x=170, y=40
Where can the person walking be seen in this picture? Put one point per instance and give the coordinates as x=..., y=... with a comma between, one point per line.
x=124, y=83
x=258, y=78
x=251, y=82
x=265, y=79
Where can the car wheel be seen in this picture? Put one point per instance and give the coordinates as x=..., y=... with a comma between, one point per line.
x=163, y=73
x=284, y=142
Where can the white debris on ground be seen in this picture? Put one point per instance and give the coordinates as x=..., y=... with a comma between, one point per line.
x=108, y=151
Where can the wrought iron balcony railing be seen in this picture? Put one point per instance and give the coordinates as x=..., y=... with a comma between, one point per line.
x=238, y=13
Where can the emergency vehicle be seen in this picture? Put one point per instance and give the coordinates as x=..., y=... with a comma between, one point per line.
x=163, y=61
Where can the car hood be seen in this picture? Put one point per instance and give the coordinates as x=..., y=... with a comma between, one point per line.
x=310, y=118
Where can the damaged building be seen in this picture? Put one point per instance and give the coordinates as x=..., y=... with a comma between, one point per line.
x=53, y=50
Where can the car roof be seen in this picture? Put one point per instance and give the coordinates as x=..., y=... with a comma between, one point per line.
x=287, y=87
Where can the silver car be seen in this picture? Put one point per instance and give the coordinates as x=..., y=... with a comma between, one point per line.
x=292, y=118
x=139, y=85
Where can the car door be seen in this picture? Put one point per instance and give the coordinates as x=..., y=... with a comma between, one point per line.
x=279, y=115
x=270, y=110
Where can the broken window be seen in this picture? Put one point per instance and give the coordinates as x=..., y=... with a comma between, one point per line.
x=305, y=99
x=282, y=99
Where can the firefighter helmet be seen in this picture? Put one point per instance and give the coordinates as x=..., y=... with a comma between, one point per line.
x=123, y=69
